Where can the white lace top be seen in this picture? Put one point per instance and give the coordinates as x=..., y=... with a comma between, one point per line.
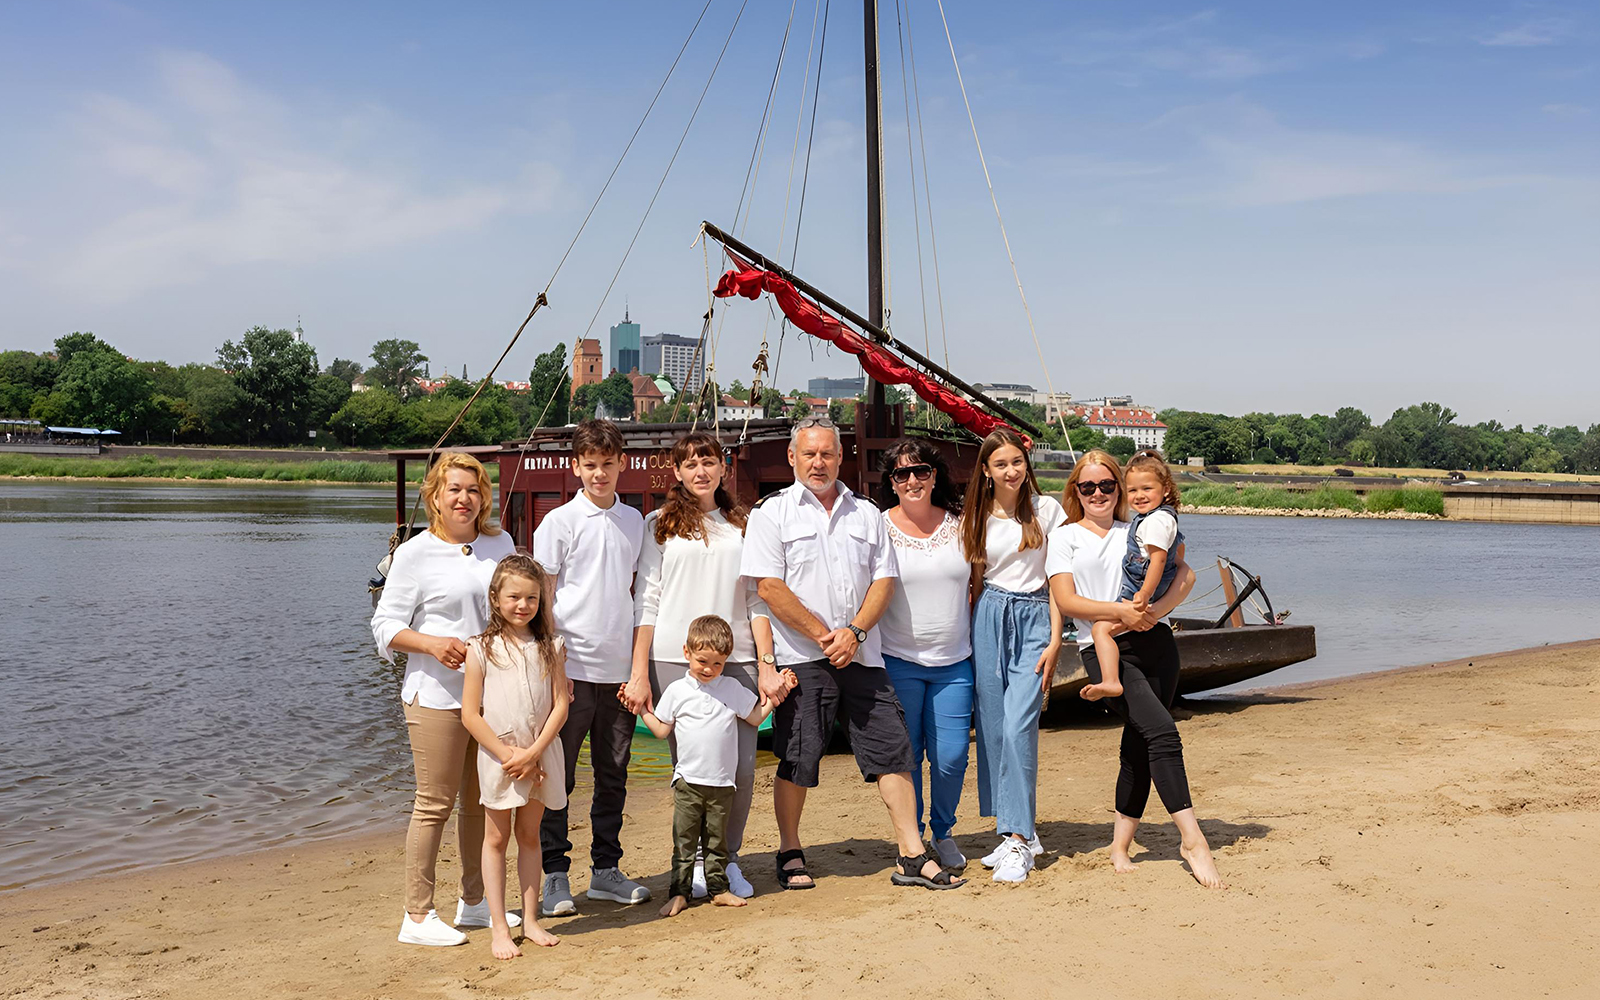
x=929, y=621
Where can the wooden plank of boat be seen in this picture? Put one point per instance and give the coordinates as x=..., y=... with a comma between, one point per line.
x=1214, y=657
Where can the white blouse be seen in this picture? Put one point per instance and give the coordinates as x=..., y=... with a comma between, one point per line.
x=929, y=620
x=684, y=578
x=1021, y=572
x=1093, y=562
x=436, y=589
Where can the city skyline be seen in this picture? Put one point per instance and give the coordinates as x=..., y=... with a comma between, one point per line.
x=1292, y=209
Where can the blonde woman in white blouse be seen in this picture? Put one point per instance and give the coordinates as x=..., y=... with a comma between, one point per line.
x=435, y=599
x=927, y=631
x=688, y=567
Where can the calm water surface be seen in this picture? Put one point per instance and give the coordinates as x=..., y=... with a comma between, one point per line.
x=188, y=668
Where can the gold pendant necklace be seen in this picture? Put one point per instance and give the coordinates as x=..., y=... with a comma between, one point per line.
x=466, y=550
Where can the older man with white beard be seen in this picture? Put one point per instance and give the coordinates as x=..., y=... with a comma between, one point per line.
x=820, y=558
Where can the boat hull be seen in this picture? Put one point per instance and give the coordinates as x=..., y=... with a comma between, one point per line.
x=1215, y=657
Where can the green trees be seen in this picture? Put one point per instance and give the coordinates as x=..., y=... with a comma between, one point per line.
x=345, y=370
x=395, y=363
x=24, y=377
x=275, y=372
x=550, y=383
x=367, y=419
x=1121, y=446
x=95, y=386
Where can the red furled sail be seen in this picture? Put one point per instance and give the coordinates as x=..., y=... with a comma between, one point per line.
x=878, y=362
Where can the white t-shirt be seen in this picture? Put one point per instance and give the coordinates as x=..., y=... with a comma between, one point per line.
x=436, y=589
x=1021, y=572
x=828, y=559
x=705, y=719
x=1160, y=530
x=592, y=553
x=929, y=621
x=1094, y=563
x=684, y=578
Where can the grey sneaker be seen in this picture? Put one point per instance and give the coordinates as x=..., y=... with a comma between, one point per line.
x=610, y=883
x=950, y=855
x=556, y=896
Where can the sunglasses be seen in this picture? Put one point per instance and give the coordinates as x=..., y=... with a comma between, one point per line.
x=905, y=472
x=1106, y=486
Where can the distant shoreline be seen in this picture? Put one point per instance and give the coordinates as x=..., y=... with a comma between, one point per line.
x=1338, y=512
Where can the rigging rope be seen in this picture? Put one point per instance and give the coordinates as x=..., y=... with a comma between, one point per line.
x=1060, y=410
x=927, y=191
x=911, y=170
x=805, y=175
x=543, y=298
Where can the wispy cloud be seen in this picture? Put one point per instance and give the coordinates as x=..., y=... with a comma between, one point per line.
x=1538, y=31
x=1565, y=110
x=210, y=173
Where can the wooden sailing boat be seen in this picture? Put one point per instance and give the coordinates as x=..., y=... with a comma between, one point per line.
x=535, y=477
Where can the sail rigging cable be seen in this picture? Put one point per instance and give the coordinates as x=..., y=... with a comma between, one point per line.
x=1060, y=410
x=927, y=186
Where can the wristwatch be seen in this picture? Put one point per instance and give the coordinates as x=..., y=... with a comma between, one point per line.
x=769, y=659
x=859, y=633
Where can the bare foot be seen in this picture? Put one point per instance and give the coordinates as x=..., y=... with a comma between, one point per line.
x=675, y=906
x=534, y=934
x=728, y=899
x=1094, y=692
x=503, y=947
x=1201, y=866
x=1120, y=860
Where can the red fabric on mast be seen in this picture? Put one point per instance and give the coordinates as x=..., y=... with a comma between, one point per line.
x=887, y=368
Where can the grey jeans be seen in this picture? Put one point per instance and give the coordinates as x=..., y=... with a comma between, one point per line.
x=662, y=674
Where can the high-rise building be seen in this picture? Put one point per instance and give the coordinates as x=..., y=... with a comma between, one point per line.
x=678, y=358
x=625, y=345
x=837, y=388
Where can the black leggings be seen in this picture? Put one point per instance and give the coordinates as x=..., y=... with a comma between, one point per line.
x=1151, y=748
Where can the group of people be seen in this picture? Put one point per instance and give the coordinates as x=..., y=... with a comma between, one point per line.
x=914, y=627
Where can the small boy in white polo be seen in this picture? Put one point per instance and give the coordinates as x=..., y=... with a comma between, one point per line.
x=590, y=545
x=705, y=710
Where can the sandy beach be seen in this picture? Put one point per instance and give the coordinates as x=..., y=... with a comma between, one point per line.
x=1420, y=833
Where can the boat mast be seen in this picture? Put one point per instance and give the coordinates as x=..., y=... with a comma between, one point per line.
x=877, y=413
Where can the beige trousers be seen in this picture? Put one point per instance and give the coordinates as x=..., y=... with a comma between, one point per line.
x=444, y=759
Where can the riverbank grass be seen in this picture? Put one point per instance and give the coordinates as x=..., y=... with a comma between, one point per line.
x=150, y=467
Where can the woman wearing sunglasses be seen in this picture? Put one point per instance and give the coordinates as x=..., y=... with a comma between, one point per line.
x=927, y=631
x=1085, y=567
x=1016, y=636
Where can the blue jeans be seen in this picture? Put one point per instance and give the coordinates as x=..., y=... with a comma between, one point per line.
x=938, y=706
x=1009, y=633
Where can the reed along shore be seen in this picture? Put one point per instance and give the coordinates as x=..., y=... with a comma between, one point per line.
x=1427, y=831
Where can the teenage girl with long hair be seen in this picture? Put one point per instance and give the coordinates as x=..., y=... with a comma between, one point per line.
x=1016, y=637
x=689, y=567
x=514, y=703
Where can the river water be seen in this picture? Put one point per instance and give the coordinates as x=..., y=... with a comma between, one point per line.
x=188, y=668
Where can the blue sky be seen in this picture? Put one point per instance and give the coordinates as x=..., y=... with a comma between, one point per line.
x=1266, y=206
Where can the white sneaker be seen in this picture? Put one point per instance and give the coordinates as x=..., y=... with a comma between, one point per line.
x=950, y=855
x=737, y=883
x=430, y=931
x=993, y=857
x=697, y=883
x=477, y=915
x=610, y=883
x=1015, y=864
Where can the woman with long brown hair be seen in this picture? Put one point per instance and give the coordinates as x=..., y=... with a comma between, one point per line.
x=1016, y=637
x=435, y=599
x=688, y=567
x=1086, y=576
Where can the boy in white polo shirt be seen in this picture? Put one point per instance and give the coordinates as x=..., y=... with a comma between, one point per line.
x=589, y=545
x=705, y=710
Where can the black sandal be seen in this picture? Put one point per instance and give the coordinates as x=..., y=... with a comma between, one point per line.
x=785, y=874
x=911, y=874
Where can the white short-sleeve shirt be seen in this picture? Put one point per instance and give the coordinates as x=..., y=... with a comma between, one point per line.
x=1159, y=530
x=683, y=578
x=828, y=559
x=705, y=722
x=1010, y=567
x=592, y=553
x=436, y=588
x=929, y=620
x=1094, y=563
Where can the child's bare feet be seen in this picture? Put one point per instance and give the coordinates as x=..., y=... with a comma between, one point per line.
x=503, y=947
x=1120, y=860
x=675, y=906
x=1105, y=689
x=534, y=934
x=728, y=899
x=1201, y=866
